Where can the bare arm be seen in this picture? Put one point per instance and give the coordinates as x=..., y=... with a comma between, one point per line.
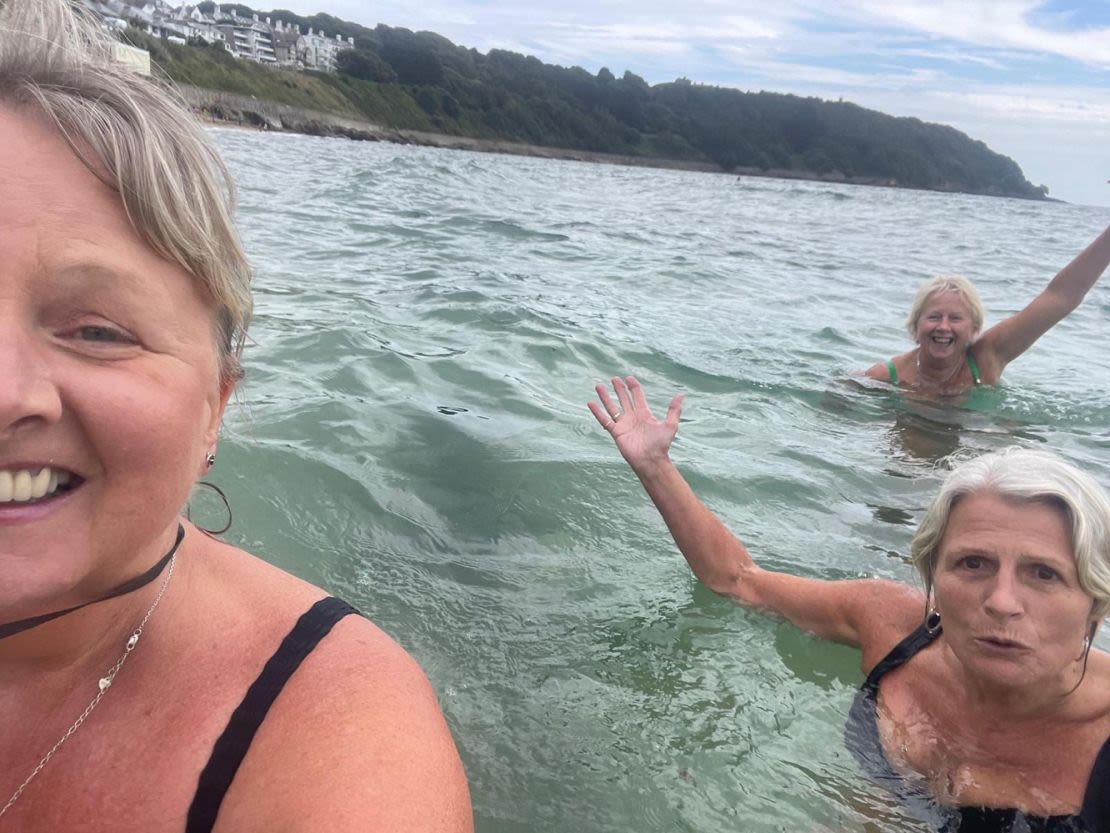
x=1008, y=339
x=853, y=612
x=359, y=744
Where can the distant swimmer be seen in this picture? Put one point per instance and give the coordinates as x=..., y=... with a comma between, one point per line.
x=947, y=315
x=985, y=707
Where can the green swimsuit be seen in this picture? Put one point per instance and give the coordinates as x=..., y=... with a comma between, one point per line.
x=974, y=368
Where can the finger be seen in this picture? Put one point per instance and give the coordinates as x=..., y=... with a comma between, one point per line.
x=674, y=411
x=606, y=400
x=622, y=394
x=600, y=415
x=637, y=391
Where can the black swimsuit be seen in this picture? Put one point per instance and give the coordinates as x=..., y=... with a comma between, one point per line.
x=861, y=736
x=231, y=747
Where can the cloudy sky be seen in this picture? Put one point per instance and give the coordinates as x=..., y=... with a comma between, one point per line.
x=1031, y=78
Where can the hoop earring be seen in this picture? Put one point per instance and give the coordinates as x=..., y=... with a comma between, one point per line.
x=932, y=621
x=227, y=506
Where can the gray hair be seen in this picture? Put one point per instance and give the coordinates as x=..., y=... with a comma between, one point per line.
x=1024, y=475
x=946, y=283
x=139, y=139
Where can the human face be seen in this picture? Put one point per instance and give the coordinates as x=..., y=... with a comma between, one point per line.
x=1008, y=593
x=108, y=377
x=945, y=329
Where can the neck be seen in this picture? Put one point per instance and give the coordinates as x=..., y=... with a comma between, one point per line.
x=70, y=630
x=937, y=371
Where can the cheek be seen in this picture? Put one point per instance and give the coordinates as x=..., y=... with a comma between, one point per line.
x=142, y=426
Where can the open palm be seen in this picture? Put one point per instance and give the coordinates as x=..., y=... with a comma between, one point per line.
x=640, y=437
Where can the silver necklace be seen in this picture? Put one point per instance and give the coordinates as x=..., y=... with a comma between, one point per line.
x=103, y=684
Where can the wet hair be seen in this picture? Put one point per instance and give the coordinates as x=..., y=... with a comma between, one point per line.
x=135, y=135
x=1027, y=476
x=946, y=283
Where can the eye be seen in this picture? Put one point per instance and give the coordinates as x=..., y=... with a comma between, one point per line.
x=1046, y=573
x=972, y=562
x=102, y=334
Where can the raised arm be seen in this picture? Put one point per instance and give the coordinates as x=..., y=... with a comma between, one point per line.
x=1008, y=339
x=853, y=612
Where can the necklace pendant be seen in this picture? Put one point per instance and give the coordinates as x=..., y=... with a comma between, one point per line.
x=104, y=683
x=133, y=641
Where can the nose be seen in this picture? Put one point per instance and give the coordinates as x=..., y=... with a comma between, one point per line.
x=1003, y=600
x=28, y=396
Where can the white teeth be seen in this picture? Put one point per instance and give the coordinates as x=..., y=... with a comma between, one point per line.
x=39, y=484
x=23, y=485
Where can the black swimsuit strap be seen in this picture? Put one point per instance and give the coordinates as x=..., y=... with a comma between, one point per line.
x=12, y=628
x=901, y=653
x=231, y=747
x=1096, y=803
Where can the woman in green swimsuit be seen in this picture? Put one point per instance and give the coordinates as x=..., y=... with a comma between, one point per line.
x=947, y=315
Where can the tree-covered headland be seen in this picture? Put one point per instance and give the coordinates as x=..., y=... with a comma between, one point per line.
x=422, y=81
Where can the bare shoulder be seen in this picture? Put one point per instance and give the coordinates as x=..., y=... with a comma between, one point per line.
x=881, y=370
x=356, y=739
x=887, y=612
x=878, y=371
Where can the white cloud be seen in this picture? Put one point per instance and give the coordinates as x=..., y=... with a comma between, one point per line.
x=990, y=23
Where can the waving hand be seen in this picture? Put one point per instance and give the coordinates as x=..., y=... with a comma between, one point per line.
x=641, y=438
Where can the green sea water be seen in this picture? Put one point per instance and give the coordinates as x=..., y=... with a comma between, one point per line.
x=412, y=434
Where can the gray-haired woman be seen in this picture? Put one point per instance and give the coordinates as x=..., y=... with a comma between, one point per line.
x=983, y=693
x=154, y=678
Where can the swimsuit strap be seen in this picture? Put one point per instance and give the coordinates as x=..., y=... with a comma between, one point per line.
x=11, y=628
x=1096, y=802
x=892, y=371
x=901, y=653
x=231, y=747
x=973, y=367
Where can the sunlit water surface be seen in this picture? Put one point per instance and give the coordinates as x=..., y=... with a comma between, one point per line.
x=413, y=436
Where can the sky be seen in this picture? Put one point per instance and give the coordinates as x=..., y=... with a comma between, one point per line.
x=1030, y=78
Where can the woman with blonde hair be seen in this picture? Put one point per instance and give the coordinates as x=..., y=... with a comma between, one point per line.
x=946, y=319
x=153, y=677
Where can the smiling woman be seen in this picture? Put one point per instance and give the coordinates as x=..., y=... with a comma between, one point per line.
x=984, y=698
x=947, y=315
x=125, y=631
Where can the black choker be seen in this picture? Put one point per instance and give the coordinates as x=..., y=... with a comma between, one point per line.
x=12, y=628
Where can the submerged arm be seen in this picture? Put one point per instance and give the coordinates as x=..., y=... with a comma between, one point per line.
x=1010, y=338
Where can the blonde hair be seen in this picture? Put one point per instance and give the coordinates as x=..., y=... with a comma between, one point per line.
x=946, y=283
x=56, y=60
x=1027, y=476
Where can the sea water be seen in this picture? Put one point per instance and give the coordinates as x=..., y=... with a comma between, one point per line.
x=412, y=434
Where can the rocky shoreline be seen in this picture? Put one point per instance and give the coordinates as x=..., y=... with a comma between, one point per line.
x=248, y=111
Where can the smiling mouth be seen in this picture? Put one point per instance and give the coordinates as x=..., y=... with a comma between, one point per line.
x=22, y=486
x=945, y=340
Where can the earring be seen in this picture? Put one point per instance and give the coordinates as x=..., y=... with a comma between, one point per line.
x=210, y=459
x=932, y=621
x=227, y=508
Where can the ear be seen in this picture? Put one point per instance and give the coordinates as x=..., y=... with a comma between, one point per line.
x=218, y=405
